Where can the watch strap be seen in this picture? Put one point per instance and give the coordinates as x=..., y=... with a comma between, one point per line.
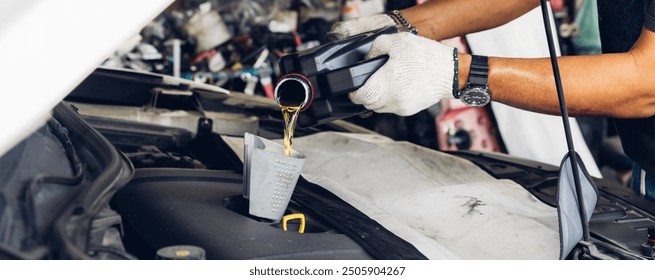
x=479, y=71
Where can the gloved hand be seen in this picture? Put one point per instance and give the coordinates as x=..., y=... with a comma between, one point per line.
x=418, y=74
x=359, y=25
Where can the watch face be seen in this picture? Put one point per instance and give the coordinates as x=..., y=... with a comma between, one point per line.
x=475, y=97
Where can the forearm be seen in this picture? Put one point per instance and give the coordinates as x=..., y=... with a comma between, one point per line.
x=443, y=19
x=594, y=85
x=616, y=85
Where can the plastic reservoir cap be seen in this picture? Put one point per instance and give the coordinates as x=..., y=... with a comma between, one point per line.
x=181, y=252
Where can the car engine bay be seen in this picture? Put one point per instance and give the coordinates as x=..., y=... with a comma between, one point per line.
x=133, y=187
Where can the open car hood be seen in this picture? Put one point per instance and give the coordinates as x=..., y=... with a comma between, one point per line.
x=48, y=47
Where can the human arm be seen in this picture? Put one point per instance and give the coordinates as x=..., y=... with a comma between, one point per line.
x=615, y=85
x=442, y=19
x=416, y=76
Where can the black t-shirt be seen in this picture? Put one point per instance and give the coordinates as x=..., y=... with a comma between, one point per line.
x=620, y=23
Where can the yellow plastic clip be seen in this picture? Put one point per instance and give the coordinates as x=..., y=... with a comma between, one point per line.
x=289, y=217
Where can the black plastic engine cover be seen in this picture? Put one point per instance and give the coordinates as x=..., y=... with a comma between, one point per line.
x=164, y=207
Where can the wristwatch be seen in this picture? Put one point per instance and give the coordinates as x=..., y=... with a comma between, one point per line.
x=476, y=93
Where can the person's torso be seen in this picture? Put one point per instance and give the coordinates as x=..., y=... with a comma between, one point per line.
x=620, y=23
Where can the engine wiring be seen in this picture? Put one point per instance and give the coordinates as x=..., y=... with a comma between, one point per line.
x=31, y=189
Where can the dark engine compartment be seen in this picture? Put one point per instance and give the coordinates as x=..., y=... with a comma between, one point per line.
x=188, y=192
x=166, y=207
x=149, y=186
x=187, y=184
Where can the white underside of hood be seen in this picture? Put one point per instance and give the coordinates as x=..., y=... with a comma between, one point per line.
x=447, y=207
x=47, y=47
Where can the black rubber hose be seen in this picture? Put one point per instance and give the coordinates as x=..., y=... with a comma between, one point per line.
x=30, y=190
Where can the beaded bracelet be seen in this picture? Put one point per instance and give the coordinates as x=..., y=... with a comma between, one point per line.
x=400, y=19
x=456, y=77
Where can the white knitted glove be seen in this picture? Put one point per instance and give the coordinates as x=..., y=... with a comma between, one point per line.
x=418, y=74
x=344, y=29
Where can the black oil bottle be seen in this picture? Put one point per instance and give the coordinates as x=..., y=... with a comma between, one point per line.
x=321, y=77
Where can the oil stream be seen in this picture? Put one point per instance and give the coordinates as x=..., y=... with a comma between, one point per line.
x=290, y=114
x=291, y=94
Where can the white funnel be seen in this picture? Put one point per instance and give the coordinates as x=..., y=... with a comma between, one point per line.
x=269, y=177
